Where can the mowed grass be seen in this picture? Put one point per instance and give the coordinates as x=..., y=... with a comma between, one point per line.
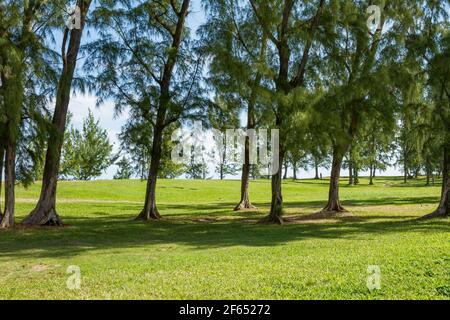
x=204, y=250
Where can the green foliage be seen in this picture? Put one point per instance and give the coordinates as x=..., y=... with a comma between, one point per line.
x=124, y=170
x=87, y=153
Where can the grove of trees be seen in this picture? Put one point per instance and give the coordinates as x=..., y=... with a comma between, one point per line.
x=348, y=89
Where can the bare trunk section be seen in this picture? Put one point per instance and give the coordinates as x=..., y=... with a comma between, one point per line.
x=10, y=164
x=371, y=174
x=316, y=167
x=276, y=207
x=294, y=169
x=150, y=211
x=45, y=211
x=350, y=173
x=333, y=195
x=444, y=207
x=286, y=167
x=245, y=203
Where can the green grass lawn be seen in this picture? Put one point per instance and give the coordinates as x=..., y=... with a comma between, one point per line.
x=204, y=250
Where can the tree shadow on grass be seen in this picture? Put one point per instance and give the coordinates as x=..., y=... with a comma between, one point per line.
x=118, y=231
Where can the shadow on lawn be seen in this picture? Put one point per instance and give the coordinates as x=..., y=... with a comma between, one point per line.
x=118, y=231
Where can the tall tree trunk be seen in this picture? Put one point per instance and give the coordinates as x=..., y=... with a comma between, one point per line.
x=371, y=174
x=2, y=159
x=405, y=169
x=45, y=211
x=286, y=167
x=276, y=207
x=294, y=169
x=245, y=203
x=333, y=194
x=150, y=211
x=7, y=220
x=350, y=173
x=428, y=169
x=444, y=207
x=355, y=175
x=316, y=167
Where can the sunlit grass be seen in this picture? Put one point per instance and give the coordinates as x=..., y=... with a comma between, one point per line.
x=204, y=250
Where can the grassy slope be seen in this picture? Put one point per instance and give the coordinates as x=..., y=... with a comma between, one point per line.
x=203, y=250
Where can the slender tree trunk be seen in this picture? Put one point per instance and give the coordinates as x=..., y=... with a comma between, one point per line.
x=333, y=195
x=294, y=169
x=245, y=203
x=10, y=163
x=2, y=159
x=316, y=167
x=350, y=173
x=405, y=169
x=286, y=167
x=444, y=207
x=428, y=174
x=276, y=207
x=150, y=211
x=371, y=174
x=355, y=175
x=45, y=211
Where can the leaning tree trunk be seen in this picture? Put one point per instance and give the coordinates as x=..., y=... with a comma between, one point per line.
x=7, y=220
x=333, y=195
x=444, y=207
x=150, y=211
x=45, y=211
x=2, y=159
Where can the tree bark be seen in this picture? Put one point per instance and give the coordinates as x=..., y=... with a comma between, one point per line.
x=245, y=203
x=276, y=207
x=45, y=211
x=150, y=211
x=286, y=167
x=294, y=169
x=7, y=220
x=371, y=174
x=316, y=167
x=350, y=173
x=444, y=206
x=355, y=175
x=333, y=194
